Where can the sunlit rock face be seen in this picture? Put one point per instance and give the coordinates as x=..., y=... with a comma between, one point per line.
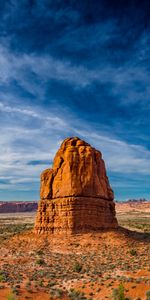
x=75, y=194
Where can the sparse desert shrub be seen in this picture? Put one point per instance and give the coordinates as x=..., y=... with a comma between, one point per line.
x=57, y=293
x=40, y=283
x=39, y=252
x=121, y=292
x=40, y=262
x=76, y=295
x=2, y=277
x=51, y=283
x=133, y=252
x=11, y=296
x=77, y=267
x=118, y=294
x=11, y=229
x=148, y=295
x=17, y=286
x=15, y=290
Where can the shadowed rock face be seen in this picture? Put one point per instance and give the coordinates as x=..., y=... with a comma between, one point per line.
x=75, y=194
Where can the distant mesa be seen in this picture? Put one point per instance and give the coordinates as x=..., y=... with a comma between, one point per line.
x=75, y=194
x=17, y=206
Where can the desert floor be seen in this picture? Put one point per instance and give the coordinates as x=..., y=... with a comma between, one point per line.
x=88, y=266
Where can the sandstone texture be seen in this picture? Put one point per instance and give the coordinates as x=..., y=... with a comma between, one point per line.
x=75, y=194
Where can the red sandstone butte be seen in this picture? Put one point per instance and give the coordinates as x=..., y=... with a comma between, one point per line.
x=75, y=194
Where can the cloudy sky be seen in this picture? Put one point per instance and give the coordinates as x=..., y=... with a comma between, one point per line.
x=74, y=68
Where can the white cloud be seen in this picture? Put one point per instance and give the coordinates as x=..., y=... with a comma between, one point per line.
x=22, y=144
x=119, y=155
x=129, y=83
x=53, y=120
x=18, y=67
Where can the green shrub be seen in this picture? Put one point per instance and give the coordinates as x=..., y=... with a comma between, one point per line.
x=133, y=252
x=118, y=294
x=2, y=277
x=148, y=295
x=40, y=261
x=77, y=267
x=11, y=296
x=76, y=295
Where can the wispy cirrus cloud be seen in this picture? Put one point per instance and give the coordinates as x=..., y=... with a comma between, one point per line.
x=22, y=144
x=44, y=68
x=54, y=121
x=129, y=83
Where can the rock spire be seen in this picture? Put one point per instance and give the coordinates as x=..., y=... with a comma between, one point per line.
x=75, y=193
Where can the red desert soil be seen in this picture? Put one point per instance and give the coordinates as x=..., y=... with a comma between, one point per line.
x=49, y=267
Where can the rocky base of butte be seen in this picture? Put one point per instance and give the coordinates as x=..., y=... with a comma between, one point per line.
x=75, y=194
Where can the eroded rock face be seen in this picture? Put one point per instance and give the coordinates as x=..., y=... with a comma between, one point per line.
x=75, y=193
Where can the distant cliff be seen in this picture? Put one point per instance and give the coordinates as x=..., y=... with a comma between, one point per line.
x=130, y=206
x=13, y=207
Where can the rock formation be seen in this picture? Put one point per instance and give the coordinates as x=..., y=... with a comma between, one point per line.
x=75, y=194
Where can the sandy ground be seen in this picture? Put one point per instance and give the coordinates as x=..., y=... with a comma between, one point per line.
x=88, y=266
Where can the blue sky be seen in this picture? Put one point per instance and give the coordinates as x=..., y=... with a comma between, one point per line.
x=74, y=68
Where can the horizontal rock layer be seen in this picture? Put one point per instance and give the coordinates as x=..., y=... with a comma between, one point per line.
x=75, y=215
